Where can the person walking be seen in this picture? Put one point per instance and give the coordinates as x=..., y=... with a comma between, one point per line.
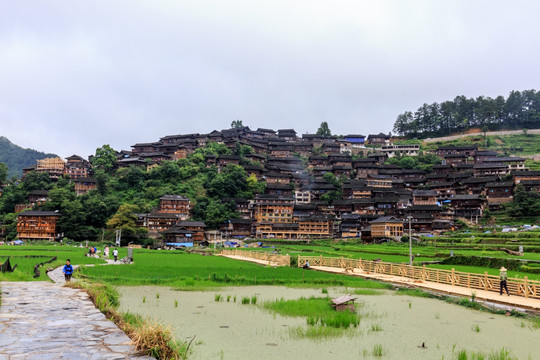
x=503, y=276
x=106, y=252
x=68, y=270
x=115, y=254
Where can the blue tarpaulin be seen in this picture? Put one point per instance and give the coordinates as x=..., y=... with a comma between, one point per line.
x=184, y=244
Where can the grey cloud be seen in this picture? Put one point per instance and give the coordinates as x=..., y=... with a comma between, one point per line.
x=76, y=75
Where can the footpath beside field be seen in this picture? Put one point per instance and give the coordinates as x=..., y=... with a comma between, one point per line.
x=489, y=133
x=481, y=295
x=487, y=296
x=41, y=320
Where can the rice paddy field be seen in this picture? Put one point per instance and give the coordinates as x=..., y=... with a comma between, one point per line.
x=239, y=310
x=182, y=270
x=27, y=256
x=277, y=322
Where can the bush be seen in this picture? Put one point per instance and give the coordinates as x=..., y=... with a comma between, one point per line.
x=494, y=263
x=294, y=261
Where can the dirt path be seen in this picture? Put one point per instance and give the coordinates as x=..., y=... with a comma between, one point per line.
x=243, y=258
x=489, y=133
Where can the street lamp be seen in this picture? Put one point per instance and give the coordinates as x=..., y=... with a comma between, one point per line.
x=410, y=240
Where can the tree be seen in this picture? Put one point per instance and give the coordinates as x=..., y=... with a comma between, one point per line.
x=520, y=109
x=237, y=124
x=3, y=173
x=126, y=220
x=324, y=130
x=104, y=159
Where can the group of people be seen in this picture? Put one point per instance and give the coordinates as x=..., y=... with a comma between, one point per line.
x=92, y=251
x=68, y=268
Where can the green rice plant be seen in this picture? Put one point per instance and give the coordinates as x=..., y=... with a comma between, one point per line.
x=254, y=299
x=368, y=292
x=324, y=290
x=412, y=292
x=476, y=328
x=313, y=320
x=502, y=354
x=245, y=300
x=228, y=298
x=175, y=303
x=478, y=356
x=364, y=353
x=410, y=305
x=157, y=295
x=234, y=299
x=437, y=316
x=535, y=322
x=316, y=332
x=217, y=297
x=144, y=299
x=376, y=327
x=462, y=355
x=317, y=311
x=378, y=350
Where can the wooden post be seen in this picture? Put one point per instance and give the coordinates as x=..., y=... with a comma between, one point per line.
x=453, y=274
x=485, y=280
x=526, y=284
x=424, y=272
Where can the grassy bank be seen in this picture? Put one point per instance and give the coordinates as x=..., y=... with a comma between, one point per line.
x=194, y=272
x=27, y=256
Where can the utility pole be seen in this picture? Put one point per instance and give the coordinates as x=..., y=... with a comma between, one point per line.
x=410, y=240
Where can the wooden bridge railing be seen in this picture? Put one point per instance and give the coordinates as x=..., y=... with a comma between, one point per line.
x=521, y=287
x=278, y=259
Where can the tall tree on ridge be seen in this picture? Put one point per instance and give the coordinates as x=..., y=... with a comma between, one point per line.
x=324, y=130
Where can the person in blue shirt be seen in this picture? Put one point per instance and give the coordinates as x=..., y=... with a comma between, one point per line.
x=68, y=270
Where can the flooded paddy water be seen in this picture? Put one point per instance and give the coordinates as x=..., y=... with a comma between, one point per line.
x=397, y=325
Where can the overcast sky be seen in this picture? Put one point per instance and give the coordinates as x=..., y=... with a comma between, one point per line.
x=75, y=75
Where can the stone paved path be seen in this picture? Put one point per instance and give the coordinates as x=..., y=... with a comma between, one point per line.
x=41, y=320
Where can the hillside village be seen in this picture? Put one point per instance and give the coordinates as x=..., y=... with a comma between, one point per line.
x=316, y=186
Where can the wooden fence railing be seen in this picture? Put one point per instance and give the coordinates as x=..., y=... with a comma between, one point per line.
x=278, y=259
x=521, y=287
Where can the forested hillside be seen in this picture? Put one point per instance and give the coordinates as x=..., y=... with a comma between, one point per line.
x=16, y=158
x=124, y=192
x=520, y=110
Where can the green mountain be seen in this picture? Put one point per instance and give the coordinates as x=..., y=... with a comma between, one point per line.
x=16, y=158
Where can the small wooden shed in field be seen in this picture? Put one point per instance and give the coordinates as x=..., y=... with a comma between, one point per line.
x=342, y=303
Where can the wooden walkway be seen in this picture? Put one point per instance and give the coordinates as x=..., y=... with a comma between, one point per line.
x=419, y=279
x=259, y=257
x=487, y=296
